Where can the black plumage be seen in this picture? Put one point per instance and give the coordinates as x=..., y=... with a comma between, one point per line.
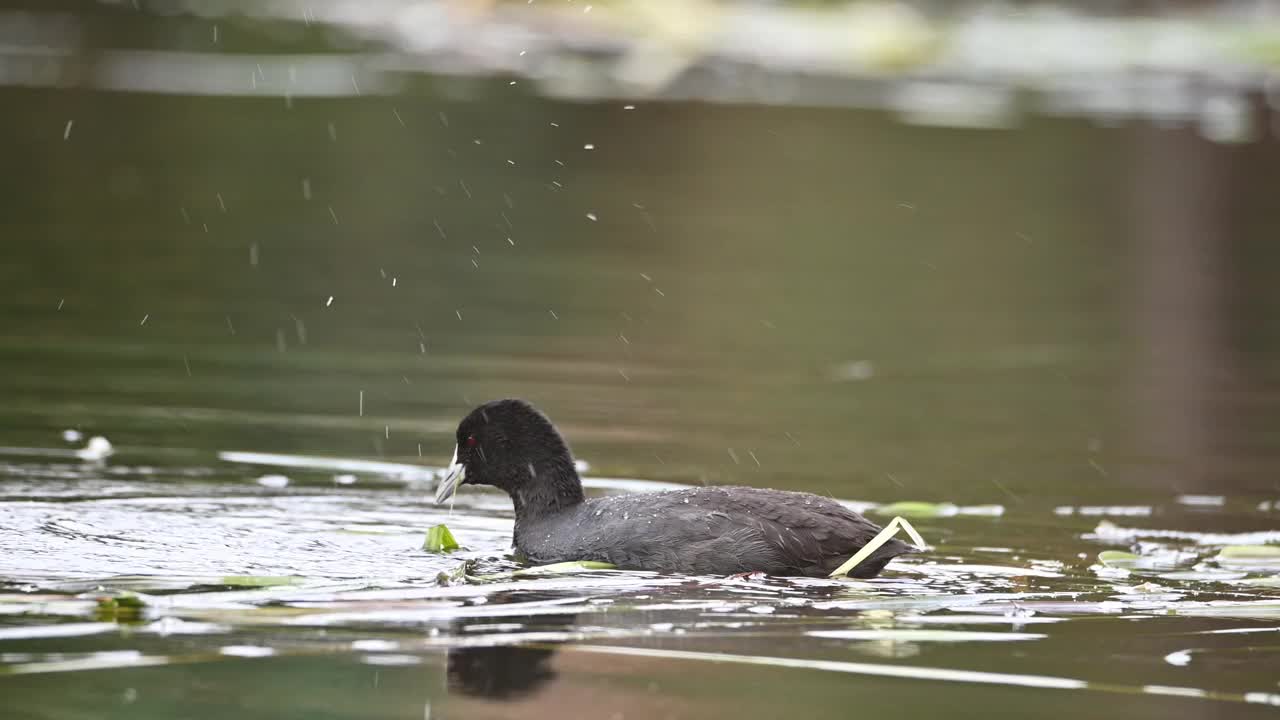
x=701, y=531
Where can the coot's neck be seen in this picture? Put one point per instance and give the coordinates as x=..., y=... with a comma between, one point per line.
x=552, y=487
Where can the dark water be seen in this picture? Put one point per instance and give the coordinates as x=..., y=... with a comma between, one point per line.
x=1066, y=331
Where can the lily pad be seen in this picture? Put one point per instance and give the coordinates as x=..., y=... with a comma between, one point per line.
x=440, y=540
x=253, y=581
x=915, y=509
x=1269, y=553
x=1118, y=559
x=1249, y=557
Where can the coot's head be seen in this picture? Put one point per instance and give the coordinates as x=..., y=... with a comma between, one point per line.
x=510, y=445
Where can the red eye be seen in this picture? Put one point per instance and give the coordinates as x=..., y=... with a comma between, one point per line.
x=471, y=441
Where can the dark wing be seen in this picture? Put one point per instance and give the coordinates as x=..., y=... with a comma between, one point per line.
x=818, y=534
x=671, y=532
x=723, y=530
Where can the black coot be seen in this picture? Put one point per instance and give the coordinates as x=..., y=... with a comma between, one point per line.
x=700, y=531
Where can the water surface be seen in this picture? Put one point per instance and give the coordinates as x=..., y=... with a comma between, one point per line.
x=1063, y=330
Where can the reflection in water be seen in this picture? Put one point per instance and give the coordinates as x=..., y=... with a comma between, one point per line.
x=503, y=672
x=506, y=672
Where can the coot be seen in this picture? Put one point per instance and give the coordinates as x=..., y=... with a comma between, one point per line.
x=700, y=531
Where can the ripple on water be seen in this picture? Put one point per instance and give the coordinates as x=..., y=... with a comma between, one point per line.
x=211, y=555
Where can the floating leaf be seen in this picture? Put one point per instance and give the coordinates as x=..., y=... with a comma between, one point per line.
x=130, y=601
x=1118, y=559
x=915, y=635
x=911, y=508
x=125, y=607
x=1268, y=553
x=258, y=580
x=440, y=540
x=564, y=567
x=1110, y=532
x=1249, y=556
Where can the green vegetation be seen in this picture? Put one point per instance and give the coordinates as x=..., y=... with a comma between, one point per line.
x=440, y=540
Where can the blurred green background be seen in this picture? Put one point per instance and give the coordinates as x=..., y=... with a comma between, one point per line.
x=826, y=298
x=1012, y=255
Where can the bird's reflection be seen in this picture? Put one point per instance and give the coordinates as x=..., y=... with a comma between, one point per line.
x=507, y=672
